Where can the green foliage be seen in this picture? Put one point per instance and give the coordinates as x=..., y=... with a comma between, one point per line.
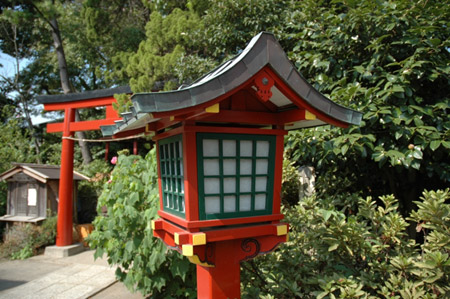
x=390, y=61
x=169, y=38
x=22, y=241
x=230, y=24
x=23, y=253
x=15, y=145
x=364, y=255
x=88, y=191
x=131, y=200
x=290, y=183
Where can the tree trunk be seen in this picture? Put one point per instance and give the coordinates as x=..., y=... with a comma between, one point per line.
x=66, y=86
x=85, y=151
x=32, y=131
x=24, y=97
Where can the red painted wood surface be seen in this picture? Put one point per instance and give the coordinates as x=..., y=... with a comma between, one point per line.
x=88, y=125
x=284, y=88
x=218, y=252
x=219, y=222
x=65, y=204
x=190, y=179
x=90, y=103
x=224, y=280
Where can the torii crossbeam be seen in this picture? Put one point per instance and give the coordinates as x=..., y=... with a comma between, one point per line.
x=69, y=103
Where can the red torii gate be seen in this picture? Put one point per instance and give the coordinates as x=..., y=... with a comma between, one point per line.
x=69, y=103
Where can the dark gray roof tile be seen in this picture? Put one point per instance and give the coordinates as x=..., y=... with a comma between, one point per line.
x=86, y=95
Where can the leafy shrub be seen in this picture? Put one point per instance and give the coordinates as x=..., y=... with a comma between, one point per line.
x=290, y=183
x=131, y=199
x=88, y=191
x=364, y=255
x=23, y=253
x=25, y=240
x=47, y=231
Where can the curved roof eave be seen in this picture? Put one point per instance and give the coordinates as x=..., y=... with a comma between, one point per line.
x=263, y=50
x=80, y=96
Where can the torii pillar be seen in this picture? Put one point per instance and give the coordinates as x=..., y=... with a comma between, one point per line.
x=65, y=206
x=69, y=103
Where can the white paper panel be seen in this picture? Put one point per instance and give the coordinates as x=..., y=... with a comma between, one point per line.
x=262, y=148
x=262, y=166
x=212, y=204
x=211, y=167
x=245, y=166
x=246, y=148
x=180, y=149
x=261, y=184
x=181, y=168
x=229, y=185
x=212, y=185
x=260, y=201
x=245, y=203
x=229, y=166
x=245, y=185
x=229, y=203
x=229, y=148
x=32, y=197
x=210, y=147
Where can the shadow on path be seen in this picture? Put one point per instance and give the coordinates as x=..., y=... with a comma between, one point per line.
x=7, y=284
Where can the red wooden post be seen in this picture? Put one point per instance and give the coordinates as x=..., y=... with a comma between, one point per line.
x=65, y=205
x=223, y=280
x=135, y=147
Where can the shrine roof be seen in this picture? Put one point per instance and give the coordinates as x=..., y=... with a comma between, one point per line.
x=80, y=96
x=262, y=52
x=41, y=172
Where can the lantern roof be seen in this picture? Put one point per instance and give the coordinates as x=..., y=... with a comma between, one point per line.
x=264, y=71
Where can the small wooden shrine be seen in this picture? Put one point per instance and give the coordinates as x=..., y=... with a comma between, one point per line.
x=32, y=190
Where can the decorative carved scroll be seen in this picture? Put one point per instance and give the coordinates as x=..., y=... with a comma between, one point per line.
x=246, y=246
x=264, y=83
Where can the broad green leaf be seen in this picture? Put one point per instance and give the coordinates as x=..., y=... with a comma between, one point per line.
x=435, y=144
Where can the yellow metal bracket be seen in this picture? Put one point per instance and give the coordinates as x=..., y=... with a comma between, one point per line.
x=213, y=109
x=281, y=230
x=196, y=260
x=188, y=250
x=309, y=115
x=199, y=239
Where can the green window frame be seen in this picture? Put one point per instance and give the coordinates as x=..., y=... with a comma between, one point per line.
x=235, y=175
x=172, y=175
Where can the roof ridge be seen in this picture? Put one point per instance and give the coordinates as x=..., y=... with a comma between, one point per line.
x=36, y=165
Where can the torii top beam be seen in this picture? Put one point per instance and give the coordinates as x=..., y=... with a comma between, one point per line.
x=88, y=99
x=259, y=87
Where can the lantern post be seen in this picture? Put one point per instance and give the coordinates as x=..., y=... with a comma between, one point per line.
x=220, y=148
